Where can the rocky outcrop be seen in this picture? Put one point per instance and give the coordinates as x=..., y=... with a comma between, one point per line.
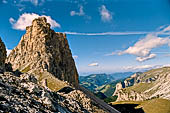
x=22, y=94
x=148, y=85
x=161, y=87
x=133, y=79
x=45, y=53
x=124, y=95
x=2, y=56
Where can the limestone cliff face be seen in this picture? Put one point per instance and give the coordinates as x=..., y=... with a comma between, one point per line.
x=2, y=56
x=133, y=79
x=148, y=85
x=125, y=95
x=43, y=50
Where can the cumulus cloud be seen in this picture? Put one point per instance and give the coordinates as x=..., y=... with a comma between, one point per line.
x=150, y=56
x=26, y=20
x=142, y=48
x=106, y=15
x=80, y=13
x=93, y=64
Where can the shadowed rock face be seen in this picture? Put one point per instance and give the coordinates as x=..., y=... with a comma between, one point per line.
x=43, y=50
x=2, y=56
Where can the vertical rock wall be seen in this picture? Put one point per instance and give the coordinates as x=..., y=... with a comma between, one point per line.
x=43, y=50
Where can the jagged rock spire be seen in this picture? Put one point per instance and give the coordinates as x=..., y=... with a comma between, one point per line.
x=42, y=50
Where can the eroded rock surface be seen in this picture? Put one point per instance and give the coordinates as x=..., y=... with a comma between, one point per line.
x=42, y=50
x=148, y=85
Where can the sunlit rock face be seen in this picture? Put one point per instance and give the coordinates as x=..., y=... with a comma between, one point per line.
x=42, y=50
x=145, y=86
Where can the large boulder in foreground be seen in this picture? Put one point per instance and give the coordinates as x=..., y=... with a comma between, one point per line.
x=2, y=55
x=45, y=53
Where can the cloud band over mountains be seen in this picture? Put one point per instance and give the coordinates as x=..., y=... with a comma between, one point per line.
x=107, y=33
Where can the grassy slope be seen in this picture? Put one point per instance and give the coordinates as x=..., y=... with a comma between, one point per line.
x=108, y=89
x=150, y=106
x=104, y=83
x=141, y=87
x=53, y=83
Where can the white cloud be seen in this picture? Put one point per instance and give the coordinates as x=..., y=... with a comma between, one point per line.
x=34, y=2
x=166, y=29
x=144, y=67
x=80, y=13
x=26, y=20
x=8, y=51
x=138, y=67
x=142, y=48
x=166, y=65
x=11, y=20
x=93, y=64
x=105, y=14
x=4, y=1
x=150, y=56
x=110, y=54
x=107, y=33
x=75, y=56
x=141, y=67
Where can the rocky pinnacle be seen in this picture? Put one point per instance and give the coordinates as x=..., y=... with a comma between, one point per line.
x=41, y=50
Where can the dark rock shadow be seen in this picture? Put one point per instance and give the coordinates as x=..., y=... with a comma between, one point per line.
x=66, y=90
x=127, y=108
x=8, y=68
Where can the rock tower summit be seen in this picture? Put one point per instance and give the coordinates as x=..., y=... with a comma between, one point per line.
x=44, y=52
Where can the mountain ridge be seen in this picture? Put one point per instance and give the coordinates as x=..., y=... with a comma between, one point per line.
x=100, y=82
x=147, y=85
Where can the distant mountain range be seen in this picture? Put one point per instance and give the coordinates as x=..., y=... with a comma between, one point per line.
x=130, y=92
x=104, y=83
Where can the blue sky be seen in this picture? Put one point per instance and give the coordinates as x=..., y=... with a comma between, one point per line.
x=104, y=35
